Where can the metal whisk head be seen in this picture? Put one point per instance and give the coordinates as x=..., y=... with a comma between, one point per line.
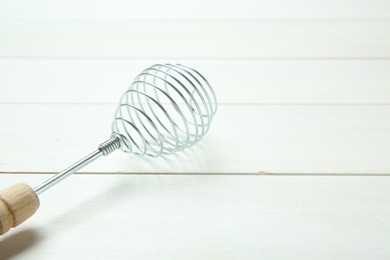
x=167, y=108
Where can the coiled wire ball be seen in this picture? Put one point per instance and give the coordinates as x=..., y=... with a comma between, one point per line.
x=167, y=108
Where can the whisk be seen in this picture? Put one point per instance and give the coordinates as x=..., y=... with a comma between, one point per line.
x=167, y=108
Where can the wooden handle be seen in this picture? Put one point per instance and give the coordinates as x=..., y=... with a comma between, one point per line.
x=17, y=203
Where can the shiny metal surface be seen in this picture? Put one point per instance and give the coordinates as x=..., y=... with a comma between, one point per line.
x=167, y=108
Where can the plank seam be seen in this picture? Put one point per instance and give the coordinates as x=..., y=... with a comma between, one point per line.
x=255, y=58
x=215, y=20
x=215, y=174
x=219, y=103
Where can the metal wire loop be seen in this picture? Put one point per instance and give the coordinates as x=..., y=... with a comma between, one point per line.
x=167, y=108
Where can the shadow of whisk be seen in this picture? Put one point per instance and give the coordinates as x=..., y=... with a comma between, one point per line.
x=16, y=243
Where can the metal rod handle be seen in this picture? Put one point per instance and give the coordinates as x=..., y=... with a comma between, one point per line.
x=104, y=149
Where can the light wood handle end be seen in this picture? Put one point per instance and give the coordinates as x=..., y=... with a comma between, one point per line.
x=17, y=203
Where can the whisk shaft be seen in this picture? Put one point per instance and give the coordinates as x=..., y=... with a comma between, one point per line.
x=166, y=109
x=104, y=149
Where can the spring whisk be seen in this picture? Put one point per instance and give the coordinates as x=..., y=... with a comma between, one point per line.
x=167, y=108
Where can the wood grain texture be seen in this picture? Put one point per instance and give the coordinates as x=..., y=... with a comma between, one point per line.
x=304, y=89
x=205, y=217
x=236, y=81
x=196, y=39
x=201, y=9
x=243, y=139
x=18, y=202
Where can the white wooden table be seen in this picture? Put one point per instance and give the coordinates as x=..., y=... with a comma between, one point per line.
x=295, y=166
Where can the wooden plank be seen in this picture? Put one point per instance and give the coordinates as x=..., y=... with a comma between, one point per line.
x=243, y=139
x=205, y=217
x=196, y=39
x=235, y=81
x=201, y=9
